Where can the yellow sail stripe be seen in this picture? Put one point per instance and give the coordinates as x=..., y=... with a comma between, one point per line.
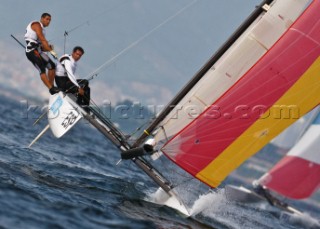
x=305, y=94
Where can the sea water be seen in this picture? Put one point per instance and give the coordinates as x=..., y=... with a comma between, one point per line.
x=74, y=182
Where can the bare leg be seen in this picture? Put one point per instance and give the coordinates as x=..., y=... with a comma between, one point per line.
x=45, y=80
x=51, y=75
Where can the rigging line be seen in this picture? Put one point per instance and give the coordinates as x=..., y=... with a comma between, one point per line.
x=66, y=33
x=90, y=19
x=138, y=129
x=87, y=22
x=96, y=72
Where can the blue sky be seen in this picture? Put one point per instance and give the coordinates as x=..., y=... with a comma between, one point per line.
x=148, y=49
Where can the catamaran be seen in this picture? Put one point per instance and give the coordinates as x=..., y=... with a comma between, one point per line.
x=230, y=109
x=295, y=176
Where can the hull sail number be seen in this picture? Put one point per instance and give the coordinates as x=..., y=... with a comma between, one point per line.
x=70, y=119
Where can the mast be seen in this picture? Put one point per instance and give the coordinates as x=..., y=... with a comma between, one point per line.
x=242, y=28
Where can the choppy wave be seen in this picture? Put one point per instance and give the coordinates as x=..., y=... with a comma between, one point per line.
x=74, y=182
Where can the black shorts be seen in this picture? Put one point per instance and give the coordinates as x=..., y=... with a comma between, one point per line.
x=40, y=61
x=66, y=85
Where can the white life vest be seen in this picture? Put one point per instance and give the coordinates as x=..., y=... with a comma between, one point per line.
x=63, y=66
x=31, y=37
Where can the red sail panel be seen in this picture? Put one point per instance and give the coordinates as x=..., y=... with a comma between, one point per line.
x=294, y=177
x=206, y=140
x=297, y=175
